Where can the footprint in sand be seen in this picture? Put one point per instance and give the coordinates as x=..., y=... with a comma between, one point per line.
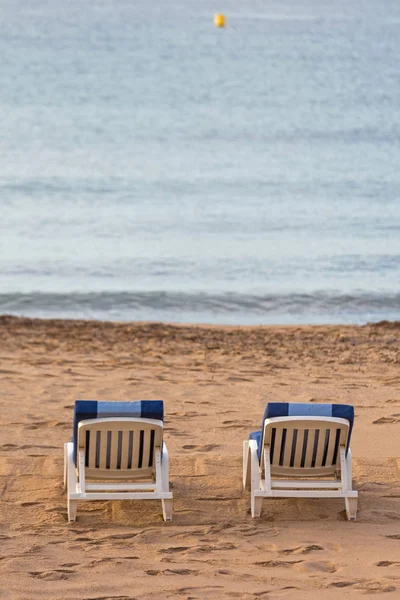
x=174, y=549
x=206, y=549
x=9, y=447
x=272, y=564
x=194, y=532
x=391, y=381
x=180, y=572
x=301, y=549
x=206, y=448
x=187, y=415
x=175, y=432
x=121, y=536
x=201, y=590
x=317, y=567
x=375, y=587
x=40, y=424
x=101, y=561
x=321, y=399
x=387, y=563
x=243, y=423
x=113, y=598
x=251, y=530
x=57, y=575
x=387, y=420
x=155, y=572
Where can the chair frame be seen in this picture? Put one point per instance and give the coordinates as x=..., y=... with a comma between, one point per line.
x=153, y=481
x=258, y=476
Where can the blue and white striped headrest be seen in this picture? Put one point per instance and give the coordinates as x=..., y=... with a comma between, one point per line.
x=97, y=409
x=300, y=409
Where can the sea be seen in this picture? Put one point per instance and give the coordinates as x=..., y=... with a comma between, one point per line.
x=155, y=167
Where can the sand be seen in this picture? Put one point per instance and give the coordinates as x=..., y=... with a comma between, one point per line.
x=215, y=383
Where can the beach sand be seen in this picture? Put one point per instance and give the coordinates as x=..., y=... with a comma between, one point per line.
x=215, y=382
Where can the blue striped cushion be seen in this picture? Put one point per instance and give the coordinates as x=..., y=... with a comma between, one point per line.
x=96, y=409
x=299, y=409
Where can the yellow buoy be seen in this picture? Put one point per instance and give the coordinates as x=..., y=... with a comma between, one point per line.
x=219, y=20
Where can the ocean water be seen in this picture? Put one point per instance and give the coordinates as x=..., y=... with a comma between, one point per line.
x=154, y=167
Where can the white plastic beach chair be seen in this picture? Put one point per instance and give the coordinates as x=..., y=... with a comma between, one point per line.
x=302, y=451
x=117, y=455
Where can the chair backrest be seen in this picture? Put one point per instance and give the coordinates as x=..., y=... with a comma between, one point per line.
x=305, y=440
x=94, y=409
x=119, y=447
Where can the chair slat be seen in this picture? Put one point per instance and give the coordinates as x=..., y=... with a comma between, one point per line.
x=273, y=444
x=119, y=450
x=146, y=448
x=92, y=450
x=284, y=449
x=281, y=448
x=135, y=451
x=310, y=448
x=331, y=448
x=87, y=448
x=277, y=446
x=304, y=446
x=113, y=449
x=124, y=449
x=108, y=449
x=293, y=446
x=299, y=447
x=326, y=442
x=103, y=450
x=321, y=447
x=151, y=452
x=336, y=447
x=315, y=447
x=129, y=454
x=141, y=449
x=99, y=435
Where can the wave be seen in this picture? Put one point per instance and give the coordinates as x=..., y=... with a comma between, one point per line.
x=321, y=306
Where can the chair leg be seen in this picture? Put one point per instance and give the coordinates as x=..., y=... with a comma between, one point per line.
x=349, y=470
x=72, y=509
x=351, y=508
x=347, y=484
x=246, y=466
x=256, y=503
x=165, y=469
x=167, y=510
x=163, y=478
x=71, y=482
x=65, y=466
x=253, y=472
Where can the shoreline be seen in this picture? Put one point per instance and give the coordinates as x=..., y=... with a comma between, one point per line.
x=7, y=320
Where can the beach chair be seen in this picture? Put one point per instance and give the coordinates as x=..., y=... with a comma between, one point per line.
x=302, y=451
x=117, y=453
